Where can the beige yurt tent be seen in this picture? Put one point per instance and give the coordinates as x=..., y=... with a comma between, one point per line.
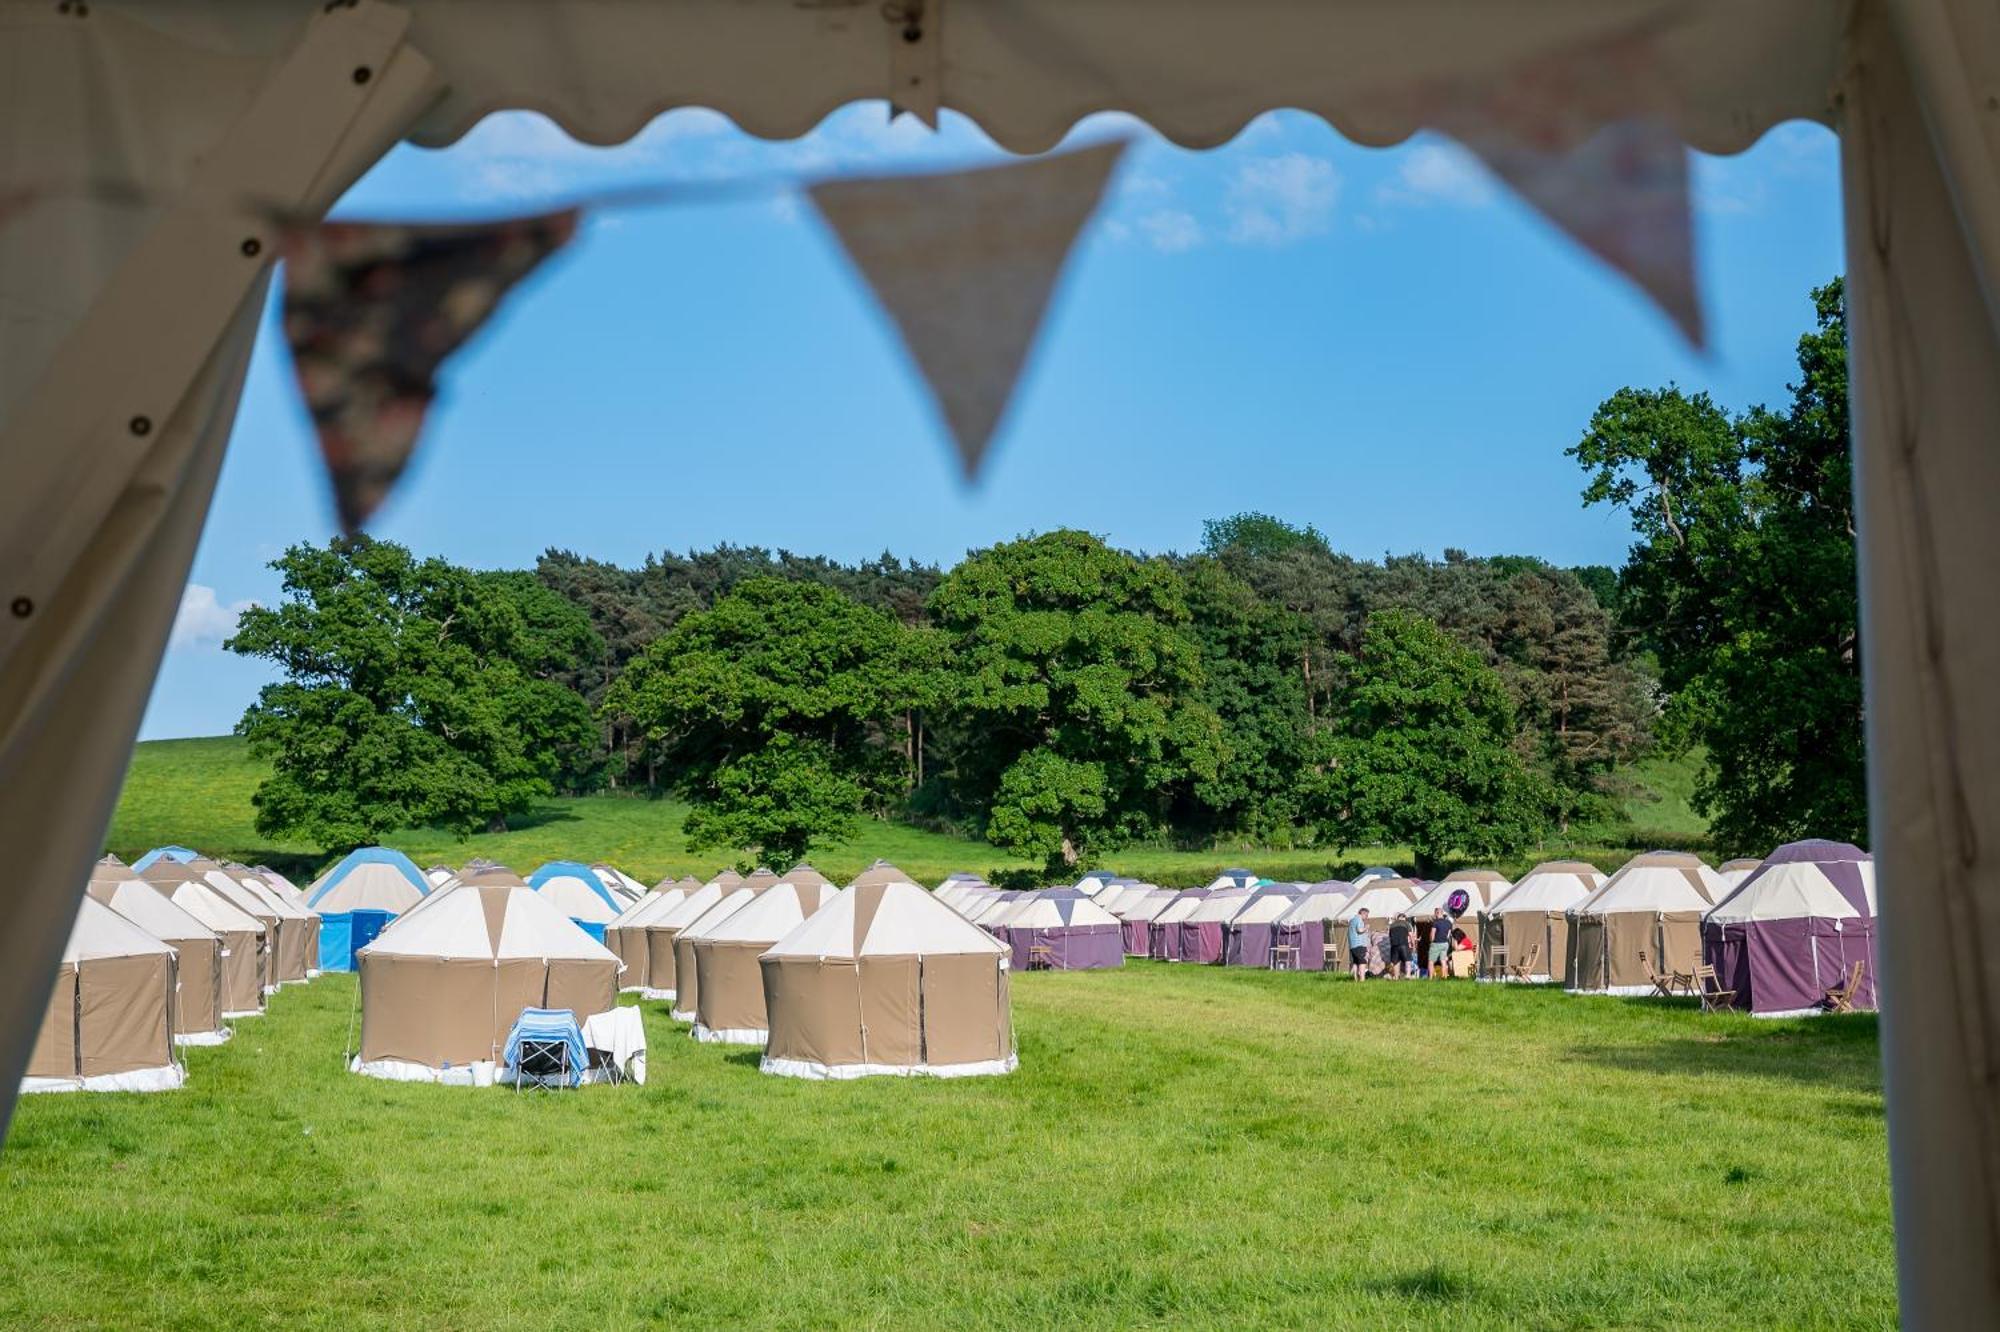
x=1647, y=917
x=878, y=872
x=687, y=978
x=443, y=984
x=1382, y=899
x=109, y=1024
x=729, y=1009
x=1529, y=924
x=275, y=881
x=663, y=927
x=199, y=953
x=1734, y=872
x=1481, y=887
x=246, y=961
x=885, y=979
x=297, y=952
x=626, y=934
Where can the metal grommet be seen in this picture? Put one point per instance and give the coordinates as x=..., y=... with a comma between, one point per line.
x=913, y=33
x=362, y=73
x=141, y=425
x=22, y=608
x=251, y=247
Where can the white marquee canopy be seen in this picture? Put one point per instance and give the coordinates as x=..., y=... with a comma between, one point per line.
x=130, y=295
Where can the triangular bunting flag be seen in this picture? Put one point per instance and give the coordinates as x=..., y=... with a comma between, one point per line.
x=965, y=264
x=372, y=310
x=1586, y=135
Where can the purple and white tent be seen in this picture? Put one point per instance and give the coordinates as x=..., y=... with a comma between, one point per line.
x=1247, y=936
x=1303, y=927
x=1792, y=930
x=1163, y=932
x=1063, y=930
x=1201, y=930
x=1138, y=915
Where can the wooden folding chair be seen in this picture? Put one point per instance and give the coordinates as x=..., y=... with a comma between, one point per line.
x=1496, y=962
x=1041, y=957
x=1525, y=968
x=1664, y=983
x=1709, y=986
x=1284, y=957
x=1840, y=999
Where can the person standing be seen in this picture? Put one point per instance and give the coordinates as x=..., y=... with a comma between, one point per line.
x=1402, y=964
x=1441, y=942
x=1357, y=944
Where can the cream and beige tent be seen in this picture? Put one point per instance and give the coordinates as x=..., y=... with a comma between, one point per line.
x=246, y=961
x=296, y=956
x=729, y=985
x=441, y=986
x=885, y=979
x=109, y=1022
x=199, y=952
x=1647, y=916
x=1466, y=892
x=664, y=925
x=626, y=935
x=1529, y=925
x=880, y=871
x=687, y=980
x=169, y=136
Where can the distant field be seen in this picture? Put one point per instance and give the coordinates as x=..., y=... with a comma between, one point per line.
x=1182, y=1146
x=197, y=793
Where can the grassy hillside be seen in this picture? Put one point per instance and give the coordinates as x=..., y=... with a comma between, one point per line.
x=197, y=793
x=1285, y=1150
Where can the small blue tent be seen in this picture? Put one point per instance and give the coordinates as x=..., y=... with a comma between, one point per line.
x=357, y=899
x=178, y=854
x=575, y=890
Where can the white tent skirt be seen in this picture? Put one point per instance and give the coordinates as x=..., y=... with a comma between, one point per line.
x=807, y=1068
x=165, y=1078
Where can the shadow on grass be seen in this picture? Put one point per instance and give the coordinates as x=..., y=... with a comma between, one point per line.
x=748, y=1058
x=1432, y=1285
x=1840, y=1053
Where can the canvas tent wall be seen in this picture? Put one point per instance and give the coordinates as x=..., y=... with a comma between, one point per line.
x=1794, y=929
x=662, y=927
x=575, y=890
x=1529, y=924
x=1138, y=919
x=1163, y=932
x=109, y=1021
x=1303, y=929
x=730, y=984
x=443, y=984
x=885, y=979
x=358, y=897
x=1063, y=930
x=113, y=437
x=687, y=978
x=1647, y=915
x=198, y=950
x=245, y=941
x=295, y=955
x=626, y=935
x=1197, y=937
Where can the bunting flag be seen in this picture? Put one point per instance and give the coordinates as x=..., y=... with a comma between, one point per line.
x=965, y=263
x=371, y=310
x=1587, y=136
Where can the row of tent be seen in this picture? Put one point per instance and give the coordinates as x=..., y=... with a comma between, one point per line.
x=1778, y=932
x=875, y=978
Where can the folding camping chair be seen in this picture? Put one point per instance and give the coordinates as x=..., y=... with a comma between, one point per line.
x=1709, y=986
x=1525, y=968
x=1665, y=984
x=544, y=1049
x=1496, y=962
x=1840, y=999
x=1041, y=957
x=1284, y=957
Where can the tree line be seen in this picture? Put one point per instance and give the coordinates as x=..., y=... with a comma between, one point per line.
x=1063, y=698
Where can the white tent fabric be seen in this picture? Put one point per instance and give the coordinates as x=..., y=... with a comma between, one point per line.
x=127, y=313
x=1322, y=901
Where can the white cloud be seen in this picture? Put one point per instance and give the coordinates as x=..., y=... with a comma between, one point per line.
x=1442, y=173
x=203, y=621
x=1276, y=200
x=1171, y=230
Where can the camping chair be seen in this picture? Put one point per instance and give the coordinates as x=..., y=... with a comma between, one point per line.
x=1525, y=968
x=1284, y=957
x=1496, y=962
x=545, y=1049
x=1840, y=999
x=1041, y=957
x=1709, y=986
x=1665, y=984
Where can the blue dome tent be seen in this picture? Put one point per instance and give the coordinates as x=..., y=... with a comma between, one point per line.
x=358, y=897
x=575, y=890
x=178, y=854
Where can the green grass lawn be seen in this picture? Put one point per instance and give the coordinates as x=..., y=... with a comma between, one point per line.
x=1188, y=1146
x=197, y=793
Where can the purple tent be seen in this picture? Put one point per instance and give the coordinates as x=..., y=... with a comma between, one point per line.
x=1163, y=934
x=1201, y=932
x=1795, y=929
x=1063, y=930
x=1248, y=935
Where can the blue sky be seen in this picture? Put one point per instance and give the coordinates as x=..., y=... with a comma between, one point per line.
x=1379, y=342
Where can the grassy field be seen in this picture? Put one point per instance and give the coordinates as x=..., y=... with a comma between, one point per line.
x=197, y=793
x=1187, y=1146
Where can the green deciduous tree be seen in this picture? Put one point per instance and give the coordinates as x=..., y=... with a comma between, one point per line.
x=778, y=712
x=1742, y=585
x=1079, y=674
x=1422, y=751
x=414, y=693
